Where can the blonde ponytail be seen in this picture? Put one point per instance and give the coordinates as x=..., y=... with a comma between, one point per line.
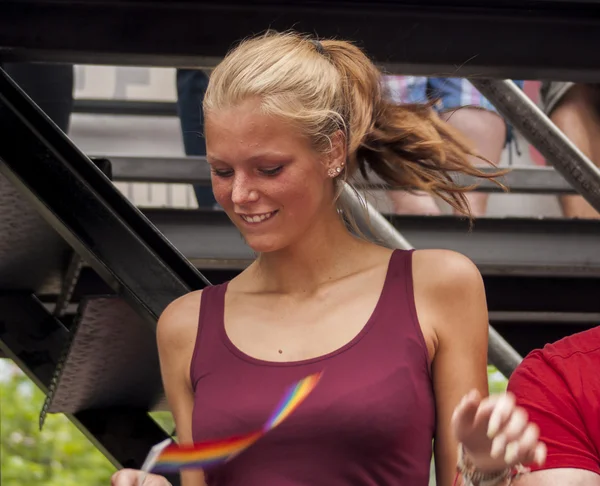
x=332, y=85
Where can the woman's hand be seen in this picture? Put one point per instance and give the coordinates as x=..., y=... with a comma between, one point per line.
x=131, y=477
x=496, y=433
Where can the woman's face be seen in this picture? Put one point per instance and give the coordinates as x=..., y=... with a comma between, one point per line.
x=266, y=176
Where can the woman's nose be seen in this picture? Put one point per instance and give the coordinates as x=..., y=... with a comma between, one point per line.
x=243, y=191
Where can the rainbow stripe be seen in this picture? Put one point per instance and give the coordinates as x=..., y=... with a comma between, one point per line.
x=204, y=454
x=295, y=395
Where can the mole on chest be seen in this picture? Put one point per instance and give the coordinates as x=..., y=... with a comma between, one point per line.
x=270, y=337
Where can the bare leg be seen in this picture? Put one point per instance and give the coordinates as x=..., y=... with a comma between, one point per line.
x=487, y=131
x=419, y=203
x=577, y=115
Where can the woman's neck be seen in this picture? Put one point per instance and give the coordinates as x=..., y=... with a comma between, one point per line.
x=325, y=253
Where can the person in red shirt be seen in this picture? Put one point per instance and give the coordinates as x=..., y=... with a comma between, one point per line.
x=559, y=389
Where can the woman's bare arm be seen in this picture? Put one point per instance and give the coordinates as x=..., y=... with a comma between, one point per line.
x=450, y=299
x=176, y=337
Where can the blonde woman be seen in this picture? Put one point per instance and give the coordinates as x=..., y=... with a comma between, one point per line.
x=401, y=336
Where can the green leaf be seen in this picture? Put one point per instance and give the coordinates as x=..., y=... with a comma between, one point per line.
x=59, y=455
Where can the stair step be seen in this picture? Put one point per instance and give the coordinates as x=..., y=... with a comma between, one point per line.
x=32, y=254
x=195, y=170
x=111, y=361
x=502, y=246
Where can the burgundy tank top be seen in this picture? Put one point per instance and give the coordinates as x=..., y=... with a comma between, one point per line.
x=370, y=420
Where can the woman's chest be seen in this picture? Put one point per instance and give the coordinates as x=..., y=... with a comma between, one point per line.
x=280, y=329
x=357, y=405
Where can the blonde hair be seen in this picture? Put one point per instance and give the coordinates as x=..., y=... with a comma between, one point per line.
x=332, y=85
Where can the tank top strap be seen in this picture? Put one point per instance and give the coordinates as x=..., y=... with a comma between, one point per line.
x=397, y=292
x=397, y=303
x=208, y=337
x=399, y=277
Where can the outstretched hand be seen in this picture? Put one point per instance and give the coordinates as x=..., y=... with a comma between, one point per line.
x=496, y=433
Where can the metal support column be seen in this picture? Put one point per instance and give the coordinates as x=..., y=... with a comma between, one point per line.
x=544, y=135
x=372, y=223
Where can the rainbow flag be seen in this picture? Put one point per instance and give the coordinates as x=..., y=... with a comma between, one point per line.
x=170, y=457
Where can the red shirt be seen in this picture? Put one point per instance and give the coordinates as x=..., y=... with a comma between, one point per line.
x=559, y=387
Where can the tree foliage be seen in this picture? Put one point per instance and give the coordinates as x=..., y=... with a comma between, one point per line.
x=497, y=381
x=58, y=455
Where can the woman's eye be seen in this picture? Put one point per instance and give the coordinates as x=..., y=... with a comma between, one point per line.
x=272, y=171
x=222, y=172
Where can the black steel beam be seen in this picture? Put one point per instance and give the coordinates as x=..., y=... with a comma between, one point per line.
x=500, y=39
x=503, y=246
x=517, y=246
x=544, y=318
x=35, y=341
x=527, y=337
x=558, y=295
x=85, y=208
x=186, y=170
x=518, y=295
x=195, y=170
x=124, y=107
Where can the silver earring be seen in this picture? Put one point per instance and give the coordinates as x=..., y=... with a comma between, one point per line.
x=332, y=172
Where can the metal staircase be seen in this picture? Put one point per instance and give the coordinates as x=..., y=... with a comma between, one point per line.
x=84, y=274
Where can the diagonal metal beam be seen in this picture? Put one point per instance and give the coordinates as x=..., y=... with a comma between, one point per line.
x=544, y=135
x=85, y=208
x=36, y=341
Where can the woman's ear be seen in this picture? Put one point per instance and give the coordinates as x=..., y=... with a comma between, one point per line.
x=336, y=157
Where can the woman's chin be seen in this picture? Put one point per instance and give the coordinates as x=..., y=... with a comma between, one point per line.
x=264, y=243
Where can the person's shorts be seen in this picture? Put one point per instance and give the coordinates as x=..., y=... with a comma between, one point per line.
x=551, y=92
x=451, y=93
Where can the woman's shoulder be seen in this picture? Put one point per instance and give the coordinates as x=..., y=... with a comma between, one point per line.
x=182, y=306
x=180, y=318
x=444, y=268
x=449, y=294
x=444, y=281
